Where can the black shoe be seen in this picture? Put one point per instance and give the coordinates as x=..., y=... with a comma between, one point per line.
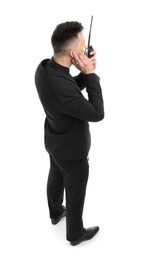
x=88, y=234
x=54, y=221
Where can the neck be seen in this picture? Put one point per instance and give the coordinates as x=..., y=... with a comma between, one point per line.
x=62, y=60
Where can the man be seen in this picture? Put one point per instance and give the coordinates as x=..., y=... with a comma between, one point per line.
x=67, y=135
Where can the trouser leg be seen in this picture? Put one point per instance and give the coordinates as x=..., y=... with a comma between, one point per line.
x=75, y=176
x=55, y=190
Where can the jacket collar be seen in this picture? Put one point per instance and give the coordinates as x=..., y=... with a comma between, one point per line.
x=55, y=69
x=58, y=67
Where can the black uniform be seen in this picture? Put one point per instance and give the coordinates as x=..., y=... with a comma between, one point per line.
x=67, y=136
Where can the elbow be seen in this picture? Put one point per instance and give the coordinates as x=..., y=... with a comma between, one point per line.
x=100, y=117
x=97, y=118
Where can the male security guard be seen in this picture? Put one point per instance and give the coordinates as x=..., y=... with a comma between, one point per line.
x=67, y=135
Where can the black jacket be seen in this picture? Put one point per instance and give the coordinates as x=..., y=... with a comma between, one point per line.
x=67, y=135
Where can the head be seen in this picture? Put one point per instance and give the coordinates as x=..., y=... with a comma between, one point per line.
x=68, y=37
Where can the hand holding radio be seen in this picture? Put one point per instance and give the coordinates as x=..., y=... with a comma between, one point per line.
x=86, y=63
x=83, y=63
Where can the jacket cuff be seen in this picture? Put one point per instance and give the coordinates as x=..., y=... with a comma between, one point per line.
x=91, y=77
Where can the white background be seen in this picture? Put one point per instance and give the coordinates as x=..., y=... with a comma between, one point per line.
x=114, y=193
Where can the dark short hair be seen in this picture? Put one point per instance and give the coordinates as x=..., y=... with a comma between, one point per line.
x=63, y=34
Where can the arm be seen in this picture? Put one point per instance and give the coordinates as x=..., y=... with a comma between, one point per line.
x=77, y=62
x=80, y=81
x=71, y=101
x=93, y=108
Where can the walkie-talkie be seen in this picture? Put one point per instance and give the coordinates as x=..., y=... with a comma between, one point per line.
x=89, y=47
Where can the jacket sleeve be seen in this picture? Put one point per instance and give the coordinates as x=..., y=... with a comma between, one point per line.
x=70, y=100
x=80, y=80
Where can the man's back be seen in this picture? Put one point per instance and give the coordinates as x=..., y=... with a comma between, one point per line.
x=66, y=135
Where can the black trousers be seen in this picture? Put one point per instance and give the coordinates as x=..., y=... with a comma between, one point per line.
x=71, y=176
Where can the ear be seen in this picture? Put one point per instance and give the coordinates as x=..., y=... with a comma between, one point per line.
x=71, y=53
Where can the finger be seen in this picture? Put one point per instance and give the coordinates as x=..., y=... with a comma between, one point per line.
x=92, y=58
x=74, y=62
x=82, y=58
x=79, y=59
x=93, y=52
x=94, y=63
x=75, y=57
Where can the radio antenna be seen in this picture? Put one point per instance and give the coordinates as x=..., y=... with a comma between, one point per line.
x=90, y=32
